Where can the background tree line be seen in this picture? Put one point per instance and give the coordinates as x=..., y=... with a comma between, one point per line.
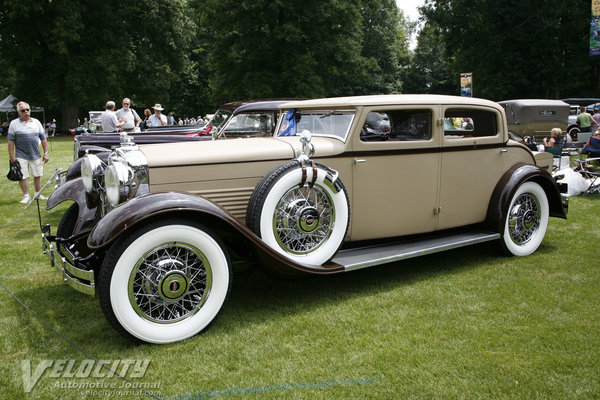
x=191, y=56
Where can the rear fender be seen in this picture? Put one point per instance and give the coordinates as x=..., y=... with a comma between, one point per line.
x=508, y=185
x=146, y=208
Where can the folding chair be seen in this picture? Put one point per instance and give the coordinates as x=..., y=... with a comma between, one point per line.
x=556, y=152
x=589, y=168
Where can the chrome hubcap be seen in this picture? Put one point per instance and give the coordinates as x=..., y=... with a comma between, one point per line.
x=524, y=219
x=303, y=219
x=170, y=283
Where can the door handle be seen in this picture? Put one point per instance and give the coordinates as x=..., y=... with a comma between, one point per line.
x=358, y=160
x=503, y=151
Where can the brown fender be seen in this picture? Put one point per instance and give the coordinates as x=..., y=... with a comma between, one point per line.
x=148, y=207
x=73, y=190
x=508, y=185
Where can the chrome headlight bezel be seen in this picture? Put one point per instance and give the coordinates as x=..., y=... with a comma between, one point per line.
x=119, y=183
x=92, y=172
x=126, y=175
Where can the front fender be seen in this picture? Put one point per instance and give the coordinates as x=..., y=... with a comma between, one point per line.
x=73, y=190
x=508, y=185
x=150, y=206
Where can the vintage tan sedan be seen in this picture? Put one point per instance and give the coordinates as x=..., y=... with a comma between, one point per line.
x=346, y=183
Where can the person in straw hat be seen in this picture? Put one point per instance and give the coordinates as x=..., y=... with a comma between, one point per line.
x=157, y=119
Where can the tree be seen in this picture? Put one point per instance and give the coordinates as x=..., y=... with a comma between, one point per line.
x=79, y=54
x=516, y=49
x=314, y=48
x=429, y=69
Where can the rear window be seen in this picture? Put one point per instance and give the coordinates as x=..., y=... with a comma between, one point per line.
x=469, y=123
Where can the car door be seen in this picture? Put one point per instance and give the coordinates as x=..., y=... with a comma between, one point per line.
x=395, y=171
x=472, y=162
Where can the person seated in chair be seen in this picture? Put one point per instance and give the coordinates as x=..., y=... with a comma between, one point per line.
x=555, y=139
x=592, y=147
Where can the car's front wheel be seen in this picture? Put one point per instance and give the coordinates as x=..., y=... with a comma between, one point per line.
x=165, y=282
x=526, y=220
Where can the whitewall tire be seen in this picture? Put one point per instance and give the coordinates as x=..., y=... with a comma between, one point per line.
x=165, y=282
x=526, y=220
x=300, y=215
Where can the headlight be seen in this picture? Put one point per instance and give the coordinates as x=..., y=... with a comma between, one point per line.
x=119, y=182
x=92, y=171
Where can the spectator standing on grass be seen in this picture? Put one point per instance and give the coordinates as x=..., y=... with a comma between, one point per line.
x=128, y=117
x=24, y=135
x=584, y=120
x=110, y=122
x=157, y=119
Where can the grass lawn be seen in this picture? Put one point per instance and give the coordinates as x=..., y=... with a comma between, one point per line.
x=464, y=324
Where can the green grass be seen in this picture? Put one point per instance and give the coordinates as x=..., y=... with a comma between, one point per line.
x=465, y=324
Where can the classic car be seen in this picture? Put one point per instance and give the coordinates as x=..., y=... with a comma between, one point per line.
x=156, y=231
x=535, y=118
x=256, y=118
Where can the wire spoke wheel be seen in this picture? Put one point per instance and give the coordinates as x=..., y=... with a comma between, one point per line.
x=301, y=211
x=524, y=219
x=303, y=219
x=170, y=283
x=165, y=281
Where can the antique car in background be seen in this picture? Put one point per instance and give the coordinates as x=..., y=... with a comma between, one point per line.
x=155, y=232
x=255, y=118
x=535, y=118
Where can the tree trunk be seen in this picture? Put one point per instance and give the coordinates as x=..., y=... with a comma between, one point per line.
x=68, y=117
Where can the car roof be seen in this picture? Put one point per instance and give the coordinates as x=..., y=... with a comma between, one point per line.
x=389, y=99
x=534, y=102
x=261, y=106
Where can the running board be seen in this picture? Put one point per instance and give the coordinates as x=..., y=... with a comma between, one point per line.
x=369, y=256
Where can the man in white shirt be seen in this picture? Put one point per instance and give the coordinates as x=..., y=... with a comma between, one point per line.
x=127, y=115
x=24, y=135
x=157, y=119
x=110, y=123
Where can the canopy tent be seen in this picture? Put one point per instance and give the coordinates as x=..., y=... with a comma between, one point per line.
x=8, y=105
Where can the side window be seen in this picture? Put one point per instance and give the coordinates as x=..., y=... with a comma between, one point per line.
x=469, y=123
x=397, y=125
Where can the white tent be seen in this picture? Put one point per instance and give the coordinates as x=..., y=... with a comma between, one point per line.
x=8, y=105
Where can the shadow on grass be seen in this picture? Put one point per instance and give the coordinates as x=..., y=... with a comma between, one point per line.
x=256, y=297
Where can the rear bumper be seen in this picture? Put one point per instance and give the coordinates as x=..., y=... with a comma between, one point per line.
x=72, y=268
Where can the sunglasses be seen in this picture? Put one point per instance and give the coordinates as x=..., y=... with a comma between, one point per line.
x=24, y=110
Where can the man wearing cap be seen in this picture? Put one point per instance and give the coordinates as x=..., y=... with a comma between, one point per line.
x=157, y=119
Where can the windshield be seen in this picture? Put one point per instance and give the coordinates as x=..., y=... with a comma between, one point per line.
x=331, y=123
x=219, y=118
x=250, y=124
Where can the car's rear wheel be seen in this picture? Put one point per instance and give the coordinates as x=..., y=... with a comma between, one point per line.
x=573, y=132
x=300, y=211
x=526, y=220
x=165, y=282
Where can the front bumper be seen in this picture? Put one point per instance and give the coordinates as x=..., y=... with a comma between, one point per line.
x=70, y=266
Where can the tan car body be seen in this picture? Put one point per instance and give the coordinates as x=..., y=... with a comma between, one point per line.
x=395, y=188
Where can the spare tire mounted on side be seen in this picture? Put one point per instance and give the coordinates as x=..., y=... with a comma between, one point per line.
x=301, y=210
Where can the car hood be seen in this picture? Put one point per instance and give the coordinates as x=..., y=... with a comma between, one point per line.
x=231, y=150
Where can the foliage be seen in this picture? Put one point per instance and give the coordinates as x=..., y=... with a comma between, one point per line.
x=310, y=49
x=79, y=54
x=463, y=323
x=429, y=69
x=518, y=49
